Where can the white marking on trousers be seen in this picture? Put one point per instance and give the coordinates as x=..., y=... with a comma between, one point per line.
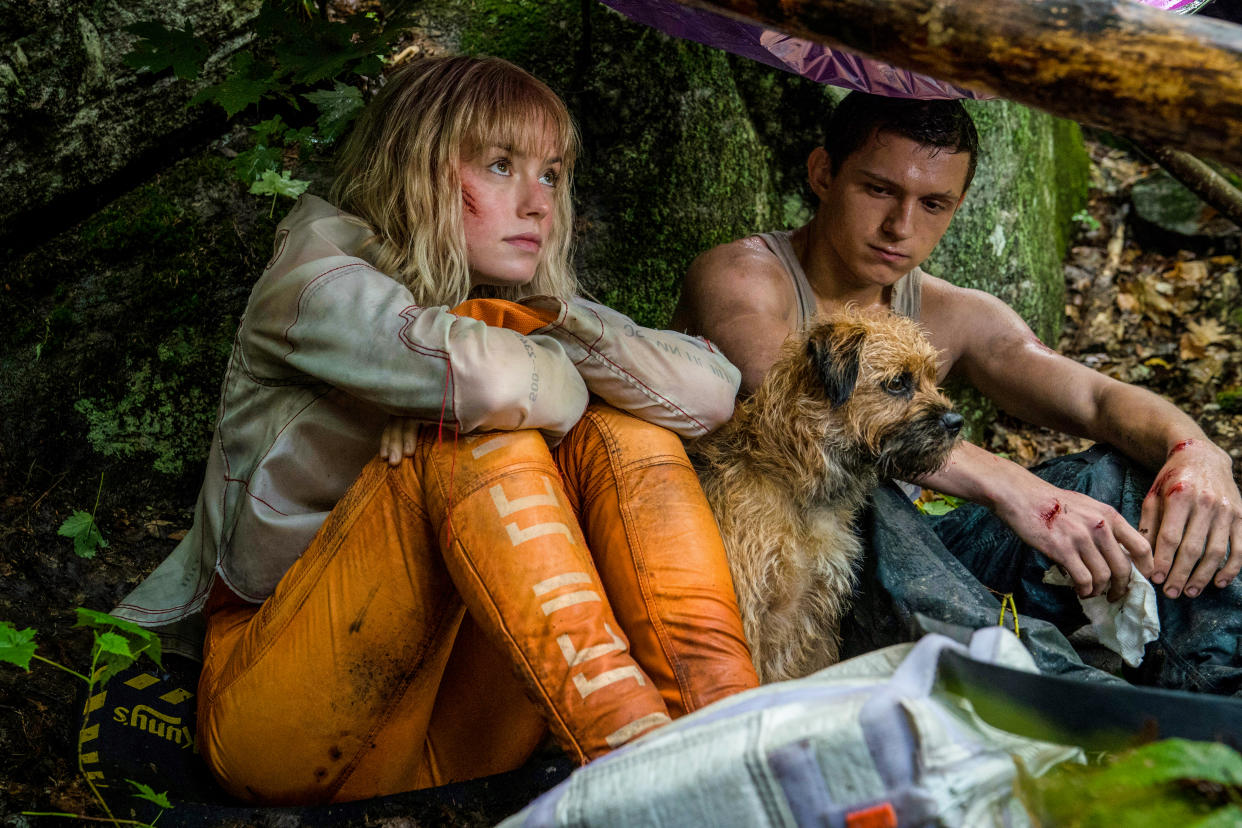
x=635, y=728
x=506, y=507
x=588, y=686
x=489, y=444
x=575, y=657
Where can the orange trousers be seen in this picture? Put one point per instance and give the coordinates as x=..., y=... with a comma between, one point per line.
x=453, y=608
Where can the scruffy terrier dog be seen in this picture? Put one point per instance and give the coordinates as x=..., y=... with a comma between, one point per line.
x=850, y=400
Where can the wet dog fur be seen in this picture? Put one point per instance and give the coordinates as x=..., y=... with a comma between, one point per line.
x=850, y=400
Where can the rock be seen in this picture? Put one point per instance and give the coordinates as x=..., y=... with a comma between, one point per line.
x=78, y=126
x=1161, y=200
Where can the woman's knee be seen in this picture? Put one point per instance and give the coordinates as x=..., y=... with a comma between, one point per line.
x=604, y=428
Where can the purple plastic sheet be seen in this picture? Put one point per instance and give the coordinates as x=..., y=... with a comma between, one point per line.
x=802, y=57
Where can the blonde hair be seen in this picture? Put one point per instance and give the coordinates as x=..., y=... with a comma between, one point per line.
x=398, y=171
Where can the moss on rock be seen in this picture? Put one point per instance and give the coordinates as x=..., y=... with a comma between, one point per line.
x=1012, y=232
x=120, y=327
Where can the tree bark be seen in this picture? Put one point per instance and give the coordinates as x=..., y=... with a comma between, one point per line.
x=1154, y=76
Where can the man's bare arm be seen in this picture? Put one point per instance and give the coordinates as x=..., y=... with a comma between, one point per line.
x=1189, y=516
x=738, y=296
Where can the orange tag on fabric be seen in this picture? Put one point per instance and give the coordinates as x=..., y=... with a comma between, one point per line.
x=501, y=313
x=877, y=816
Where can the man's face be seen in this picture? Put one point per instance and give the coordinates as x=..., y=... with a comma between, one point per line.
x=887, y=206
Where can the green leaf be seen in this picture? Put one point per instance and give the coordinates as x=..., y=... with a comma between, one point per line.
x=264, y=130
x=1168, y=783
x=1171, y=760
x=87, y=539
x=337, y=107
x=272, y=184
x=137, y=641
x=321, y=50
x=114, y=645
x=304, y=139
x=161, y=48
x=148, y=793
x=17, y=646
x=247, y=83
x=250, y=165
x=941, y=506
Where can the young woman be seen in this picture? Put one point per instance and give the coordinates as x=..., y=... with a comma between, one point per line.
x=536, y=561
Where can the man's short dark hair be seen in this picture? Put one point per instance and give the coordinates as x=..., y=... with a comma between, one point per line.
x=943, y=124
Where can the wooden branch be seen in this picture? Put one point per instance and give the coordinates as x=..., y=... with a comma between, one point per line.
x=1209, y=185
x=1157, y=77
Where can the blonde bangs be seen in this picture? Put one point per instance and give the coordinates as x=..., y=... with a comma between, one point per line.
x=398, y=171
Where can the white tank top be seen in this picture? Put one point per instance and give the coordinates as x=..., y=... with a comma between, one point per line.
x=907, y=291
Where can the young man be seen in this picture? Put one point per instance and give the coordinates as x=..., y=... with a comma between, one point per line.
x=890, y=177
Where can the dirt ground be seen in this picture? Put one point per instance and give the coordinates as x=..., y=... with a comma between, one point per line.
x=1160, y=312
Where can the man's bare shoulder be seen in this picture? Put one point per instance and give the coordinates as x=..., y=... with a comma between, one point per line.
x=738, y=277
x=970, y=324
x=945, y=303
x=747, y=259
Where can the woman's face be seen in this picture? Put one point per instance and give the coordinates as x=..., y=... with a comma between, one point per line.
x=508, y=207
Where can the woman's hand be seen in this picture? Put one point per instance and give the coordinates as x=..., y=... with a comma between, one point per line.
x=399, y=439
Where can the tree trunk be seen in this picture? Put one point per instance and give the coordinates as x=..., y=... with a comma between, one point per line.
x=1117, y=64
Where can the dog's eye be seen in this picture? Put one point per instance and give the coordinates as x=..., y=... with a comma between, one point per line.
x=898, y=386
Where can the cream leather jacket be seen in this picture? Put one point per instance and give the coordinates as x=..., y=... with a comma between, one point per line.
x=329, y=347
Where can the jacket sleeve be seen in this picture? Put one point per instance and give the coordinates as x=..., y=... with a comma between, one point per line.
x=667, y=378
x=341, y=322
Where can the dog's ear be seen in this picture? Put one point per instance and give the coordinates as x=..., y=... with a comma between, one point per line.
x=835, y=358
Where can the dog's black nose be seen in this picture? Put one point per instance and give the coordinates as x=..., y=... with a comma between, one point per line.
x=952, y=422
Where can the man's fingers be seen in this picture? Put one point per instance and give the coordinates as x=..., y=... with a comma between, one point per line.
x=1099, y=573
x=390, y=442
x=1149, y=524
x=1213, y=556
x=1135, y=545
x=1194, y=536
x=1168, y=535
x=1116, y=558
x=1084, y=580
x=1233, y=564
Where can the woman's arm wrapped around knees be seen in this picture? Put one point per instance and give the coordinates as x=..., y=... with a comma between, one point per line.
x=670, y=379
x=356, y=329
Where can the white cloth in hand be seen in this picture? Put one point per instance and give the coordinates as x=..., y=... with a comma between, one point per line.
x=1123, y=626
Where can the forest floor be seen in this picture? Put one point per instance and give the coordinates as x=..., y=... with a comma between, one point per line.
x=1138, y=308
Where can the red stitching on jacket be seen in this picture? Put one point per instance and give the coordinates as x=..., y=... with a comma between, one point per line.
x=301, y=295
x=410, y=315
x=143, y=610
x=252, y=495
x=282, y=239
x=659, y=397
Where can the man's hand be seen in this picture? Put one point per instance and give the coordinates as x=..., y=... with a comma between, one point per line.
x=1090, y=540
x=1193, y=513
x=399, y=439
